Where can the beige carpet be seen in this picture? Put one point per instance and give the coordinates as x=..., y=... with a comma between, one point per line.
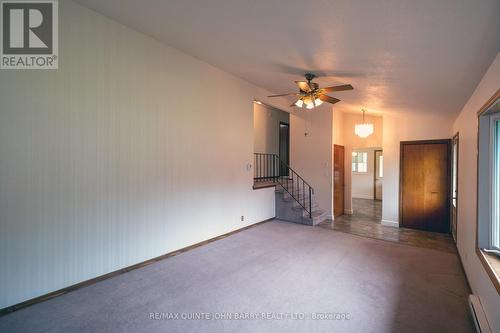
x=278, y=277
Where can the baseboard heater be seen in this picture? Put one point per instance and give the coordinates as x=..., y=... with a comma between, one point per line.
x=478, y=315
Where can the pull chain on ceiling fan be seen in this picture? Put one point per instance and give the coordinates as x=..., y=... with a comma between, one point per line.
x=311, y=95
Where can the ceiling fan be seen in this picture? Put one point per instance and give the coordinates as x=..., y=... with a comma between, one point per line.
x=311, y=95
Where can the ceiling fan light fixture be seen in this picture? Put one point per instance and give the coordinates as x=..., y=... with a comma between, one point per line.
x=311, y=95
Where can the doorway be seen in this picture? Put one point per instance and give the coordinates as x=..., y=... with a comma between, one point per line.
x=284, y=147
x=425, y=185
x=366, y=183
x=338, y=180
x=454, y=185
x=378, y=174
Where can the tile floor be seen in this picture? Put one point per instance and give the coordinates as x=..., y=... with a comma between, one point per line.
x=365, y=221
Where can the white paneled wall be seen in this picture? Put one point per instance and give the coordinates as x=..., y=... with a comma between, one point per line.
x=130, y=150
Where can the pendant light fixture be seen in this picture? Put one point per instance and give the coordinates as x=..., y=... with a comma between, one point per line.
x=364, y=129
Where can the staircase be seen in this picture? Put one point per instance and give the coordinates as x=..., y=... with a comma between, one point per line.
x=294, y=196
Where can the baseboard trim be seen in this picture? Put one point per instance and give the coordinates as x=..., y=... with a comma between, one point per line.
x=364, y=197
x=348, y=211
x=85, y=283
x=329, y=217
x=389, y=223
x=463, y=268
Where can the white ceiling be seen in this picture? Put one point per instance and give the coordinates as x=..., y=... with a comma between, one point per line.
x=422, y=56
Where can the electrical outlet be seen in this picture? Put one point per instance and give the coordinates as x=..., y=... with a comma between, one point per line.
x=242, y=218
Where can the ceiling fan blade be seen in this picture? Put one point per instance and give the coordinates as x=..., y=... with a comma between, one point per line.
x=304, y=86
x=288, y=94
x=338, y=88
x=328, y=99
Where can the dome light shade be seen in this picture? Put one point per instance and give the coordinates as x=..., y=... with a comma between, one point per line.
x=309, y=102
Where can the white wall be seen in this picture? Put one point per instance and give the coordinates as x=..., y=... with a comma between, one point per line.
x=311, y=155
x=403, y=127
x=466, y=125
x=130, y=150
x=338, y=127
x=266, y=122
x=362, y=183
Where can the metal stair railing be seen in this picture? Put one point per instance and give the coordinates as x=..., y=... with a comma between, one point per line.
x=270, y=168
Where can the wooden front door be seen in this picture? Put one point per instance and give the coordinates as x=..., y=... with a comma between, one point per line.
x=338, y=180
x=425, y=185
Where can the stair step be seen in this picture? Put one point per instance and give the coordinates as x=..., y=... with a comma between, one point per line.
x=295, y=189
x=317, y=217
x=288, y=197
x=315, y=213
x=295, y=192
x=289, y=209
x=296, y=205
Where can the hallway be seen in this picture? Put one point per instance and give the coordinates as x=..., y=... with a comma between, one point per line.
x=371, y=210
x=365, y=222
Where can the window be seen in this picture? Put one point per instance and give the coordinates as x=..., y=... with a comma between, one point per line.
x=495, y=165
x=454, y=170
x=359, y=161
x=488, y=189
x=489, y=181
x=381, y=166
